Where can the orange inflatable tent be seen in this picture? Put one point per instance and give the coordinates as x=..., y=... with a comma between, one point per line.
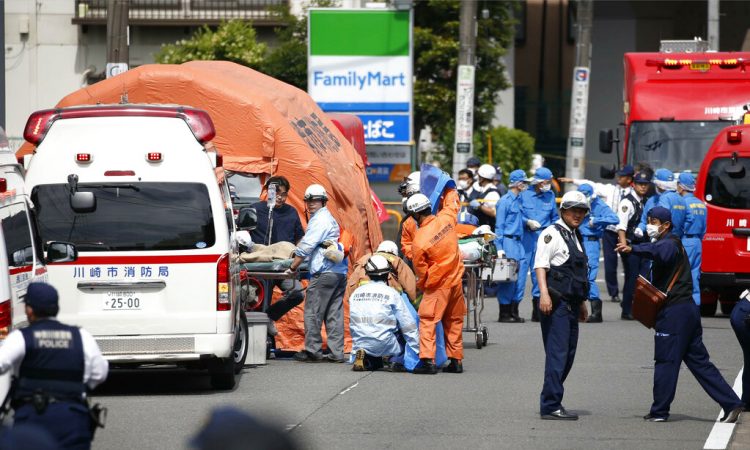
x=263, y=126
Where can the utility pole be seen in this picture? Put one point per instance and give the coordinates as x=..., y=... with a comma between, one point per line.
x=713, y=25
x=118, y=37
x=575, y=163
x=467, y=32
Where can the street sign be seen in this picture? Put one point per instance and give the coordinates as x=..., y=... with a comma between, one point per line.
x=114, y=69
x=360, y=61
x=464, y=109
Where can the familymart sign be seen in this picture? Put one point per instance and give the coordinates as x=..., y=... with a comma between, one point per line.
x=360, y=62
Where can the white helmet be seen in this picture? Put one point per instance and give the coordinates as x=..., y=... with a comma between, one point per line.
x=574, y=199
x=243, y=238
x=315, y=192
x=388, y=247
x=412, y=183
x=377, y=266
x=486, y=171
x=417, y=203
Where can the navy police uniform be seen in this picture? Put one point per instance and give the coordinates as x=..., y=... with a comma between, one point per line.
x=560, y=251
x=679, y=335
x=740, y=320
x=54, y=365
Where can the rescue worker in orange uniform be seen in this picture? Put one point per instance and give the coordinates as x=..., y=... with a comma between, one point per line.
x=439, y=269
x=449, y=199
x=401, y=278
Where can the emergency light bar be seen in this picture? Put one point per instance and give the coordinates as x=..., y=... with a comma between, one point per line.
x=3, y=184
x=199, y=121
x=83, y=157
x=153, y=157
x=675, y=63
x=734, y=136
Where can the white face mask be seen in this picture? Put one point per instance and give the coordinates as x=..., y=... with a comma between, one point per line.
x=545, y=187
x=463, y=184
x=652, y=231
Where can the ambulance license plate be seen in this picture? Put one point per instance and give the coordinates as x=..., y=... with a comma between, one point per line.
x=121, y=300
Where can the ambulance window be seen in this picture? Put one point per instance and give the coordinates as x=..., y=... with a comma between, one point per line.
x=17, y=235
x=128, y=217
x=244, y=188
x=729, y=188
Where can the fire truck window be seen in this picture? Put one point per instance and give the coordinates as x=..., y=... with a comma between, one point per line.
x=128, y=217
x=17, y=235
x=677, y=146
x=725, y=188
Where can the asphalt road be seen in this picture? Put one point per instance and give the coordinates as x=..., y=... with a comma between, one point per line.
x=494, y=404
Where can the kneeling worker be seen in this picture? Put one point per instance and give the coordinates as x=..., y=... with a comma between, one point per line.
x=439, y=269
x=562, y=270
x=54, y=365
x=379, y=317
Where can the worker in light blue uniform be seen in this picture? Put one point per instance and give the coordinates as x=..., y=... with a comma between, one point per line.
x=538, y=210
x=695, y=229
x=599, y=217
x=324, y=300
x=380, y=321
x=509, y=231
x=666, y=196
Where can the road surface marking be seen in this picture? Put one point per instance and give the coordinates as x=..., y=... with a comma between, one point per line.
x=721, y=433
x=349, y=388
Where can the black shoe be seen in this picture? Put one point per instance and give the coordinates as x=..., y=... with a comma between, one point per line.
x=330, y=358
x=535, y=309
x=560, y=414
x=505, y=314
x=625, y=316
x=652, y=418
x=305, y=356
x=596, y=312
x=455, y=366
x=514, y=314
x=395, y=367
x=426, y=367
x=615, y=299
x=359, y=361
x=732, y=416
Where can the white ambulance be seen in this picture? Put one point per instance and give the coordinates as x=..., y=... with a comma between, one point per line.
x=139, y=192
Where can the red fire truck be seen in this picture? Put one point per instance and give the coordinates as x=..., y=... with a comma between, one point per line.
x=675, y=105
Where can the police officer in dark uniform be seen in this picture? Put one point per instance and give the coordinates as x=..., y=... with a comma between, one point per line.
x=562, y=272
x=740, y=320
x=679, y=335
x=54, y=365
x=629, y=215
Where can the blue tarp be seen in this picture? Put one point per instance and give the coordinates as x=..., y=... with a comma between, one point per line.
x=433, y=182
x=411, y=356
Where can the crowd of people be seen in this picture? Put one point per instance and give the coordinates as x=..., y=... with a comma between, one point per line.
x=406, y=298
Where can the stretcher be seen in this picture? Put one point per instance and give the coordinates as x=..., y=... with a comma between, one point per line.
x=265, y=272
x=475, y=273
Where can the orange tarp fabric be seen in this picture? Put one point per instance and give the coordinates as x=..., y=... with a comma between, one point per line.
x=262, y=125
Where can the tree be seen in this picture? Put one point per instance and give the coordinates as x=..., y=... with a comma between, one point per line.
x=511, y=148
x=234, y=41
x=436, y=59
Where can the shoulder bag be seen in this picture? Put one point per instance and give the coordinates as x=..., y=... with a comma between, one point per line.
x=648, y=300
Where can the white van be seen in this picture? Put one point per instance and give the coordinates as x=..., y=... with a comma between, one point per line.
x=141, y=196
x=20, y=253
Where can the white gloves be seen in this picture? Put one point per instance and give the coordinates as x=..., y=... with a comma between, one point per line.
x=638, y=233
x=500, y=254
x=533, y=225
